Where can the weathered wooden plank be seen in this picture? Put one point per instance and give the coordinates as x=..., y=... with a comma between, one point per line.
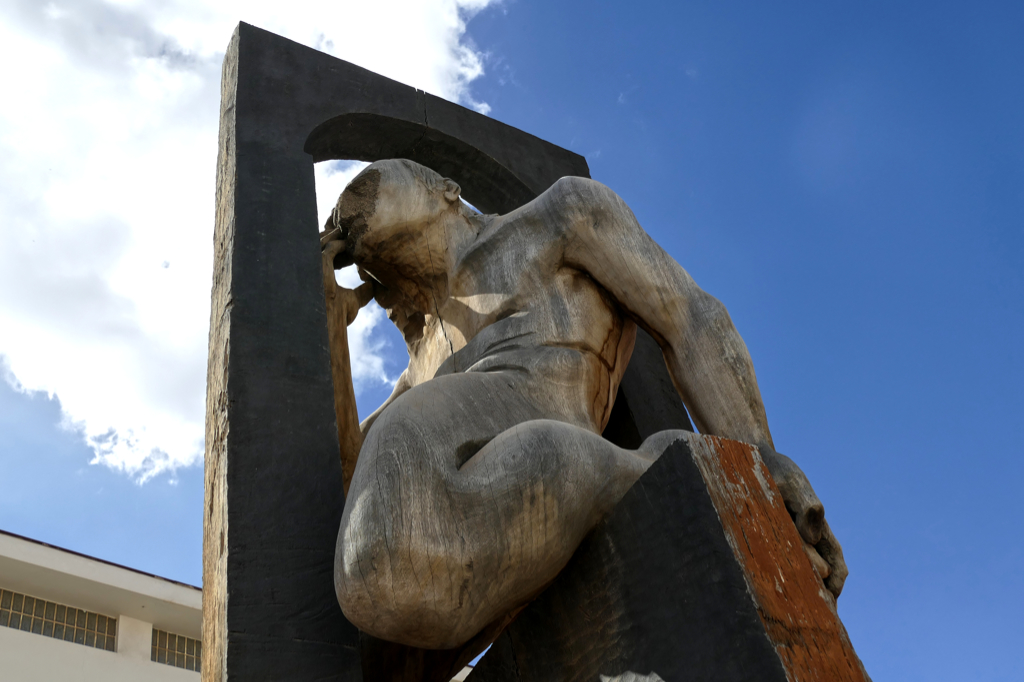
x=798, y=613
x=273, y=495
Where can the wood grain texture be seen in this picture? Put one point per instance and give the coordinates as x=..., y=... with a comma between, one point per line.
x=655, y=588
x=215, y=522
x=272, y=472
x=698, y=574
x=798, y=612
x=273, y=477
x=481, y=473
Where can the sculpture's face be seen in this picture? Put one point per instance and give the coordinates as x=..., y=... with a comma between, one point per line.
x=387, y=215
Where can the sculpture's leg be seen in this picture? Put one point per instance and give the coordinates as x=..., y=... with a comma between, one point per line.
x=697, y=574
x=465, y=504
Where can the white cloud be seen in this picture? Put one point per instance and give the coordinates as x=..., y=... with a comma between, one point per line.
x=107, y=160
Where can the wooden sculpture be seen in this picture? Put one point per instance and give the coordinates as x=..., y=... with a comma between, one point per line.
x=470, y=488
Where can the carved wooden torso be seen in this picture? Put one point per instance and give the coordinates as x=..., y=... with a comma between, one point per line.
x=513, y=305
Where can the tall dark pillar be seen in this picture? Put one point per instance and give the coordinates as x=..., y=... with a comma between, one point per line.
x=273, y=476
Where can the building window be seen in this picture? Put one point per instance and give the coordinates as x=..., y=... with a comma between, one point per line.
x=60, y=621
x=177, y=650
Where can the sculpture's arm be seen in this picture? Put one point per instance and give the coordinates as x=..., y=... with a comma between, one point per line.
x=342, y=306
x=706, y=357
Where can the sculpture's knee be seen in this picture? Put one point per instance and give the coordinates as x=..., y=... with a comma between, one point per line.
x=404, y=602
x=398, y=582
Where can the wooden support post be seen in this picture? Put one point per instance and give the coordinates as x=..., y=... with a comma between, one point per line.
x=273, y=473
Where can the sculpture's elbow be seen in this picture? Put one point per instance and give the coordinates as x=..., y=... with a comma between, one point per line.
x=708, y=314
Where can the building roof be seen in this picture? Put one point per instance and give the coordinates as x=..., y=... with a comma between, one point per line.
x=40, y=569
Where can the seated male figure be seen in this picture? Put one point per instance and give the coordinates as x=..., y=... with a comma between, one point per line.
x=480, y=475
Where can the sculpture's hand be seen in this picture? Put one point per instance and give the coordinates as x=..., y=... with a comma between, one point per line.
x=346, y=301
x=342, y=306
x=808, y=513
x=331, y=235
x=352, y=300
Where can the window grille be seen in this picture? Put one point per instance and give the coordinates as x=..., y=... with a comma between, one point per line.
x=60, y=621
x=177, y=650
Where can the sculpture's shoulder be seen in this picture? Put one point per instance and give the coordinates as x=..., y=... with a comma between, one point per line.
x=561, y=207
x=579, y=195
x=537, y=232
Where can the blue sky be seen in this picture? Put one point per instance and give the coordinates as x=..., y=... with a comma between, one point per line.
x=849, y=181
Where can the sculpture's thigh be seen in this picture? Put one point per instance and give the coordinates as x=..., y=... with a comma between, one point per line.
x=405, y=530
x=439, y=424
x=464, y=503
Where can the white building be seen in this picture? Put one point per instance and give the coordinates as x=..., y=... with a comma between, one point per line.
x=67, y=616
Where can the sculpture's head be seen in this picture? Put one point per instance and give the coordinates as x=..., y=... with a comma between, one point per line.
x=390, y=212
